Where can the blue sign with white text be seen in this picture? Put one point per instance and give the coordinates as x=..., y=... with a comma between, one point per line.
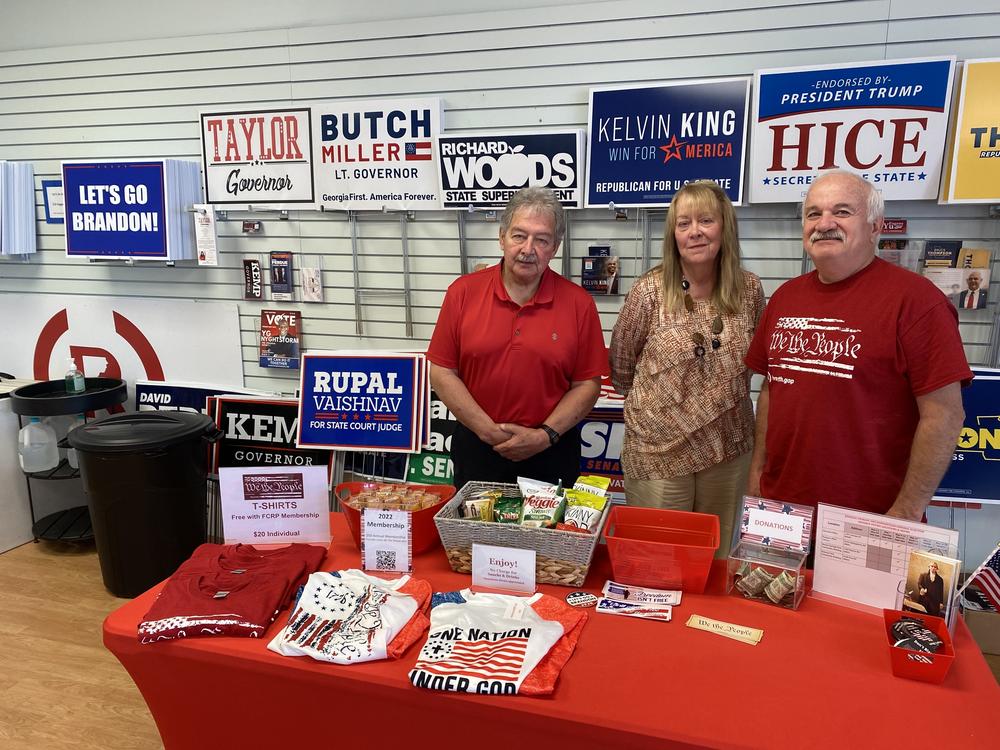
x=644, y=144
x=353, y=402
x=116, y=209
x=974, y=473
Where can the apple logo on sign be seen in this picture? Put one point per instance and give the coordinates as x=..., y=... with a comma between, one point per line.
x=513, y=168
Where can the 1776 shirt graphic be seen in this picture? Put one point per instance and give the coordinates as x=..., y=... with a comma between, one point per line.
x=824, y=346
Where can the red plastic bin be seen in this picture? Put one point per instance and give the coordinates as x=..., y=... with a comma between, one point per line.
x=919, y=665
x=665, y=549
x=425, y=534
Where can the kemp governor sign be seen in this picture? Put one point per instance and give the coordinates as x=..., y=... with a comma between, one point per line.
x=645, y=143
x=886, y=121
x=483, y=170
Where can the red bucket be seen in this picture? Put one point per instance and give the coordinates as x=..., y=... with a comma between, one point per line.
x=919, y=665
x=425, y=534
x=664, y=549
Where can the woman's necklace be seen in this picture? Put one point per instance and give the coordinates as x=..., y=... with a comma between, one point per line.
x=696, y=336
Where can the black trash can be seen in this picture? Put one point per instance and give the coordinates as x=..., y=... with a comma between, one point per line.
x=145, y=477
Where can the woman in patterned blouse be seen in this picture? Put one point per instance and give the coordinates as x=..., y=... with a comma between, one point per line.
x=677, y=356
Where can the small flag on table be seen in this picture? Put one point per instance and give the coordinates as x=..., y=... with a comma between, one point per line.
x=986, y=578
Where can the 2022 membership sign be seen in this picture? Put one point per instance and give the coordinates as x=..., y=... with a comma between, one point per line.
x=361, y=401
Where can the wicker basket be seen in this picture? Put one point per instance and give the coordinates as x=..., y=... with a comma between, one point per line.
x=563, y=557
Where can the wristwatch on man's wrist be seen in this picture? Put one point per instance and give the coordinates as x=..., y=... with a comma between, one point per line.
x=553, y=435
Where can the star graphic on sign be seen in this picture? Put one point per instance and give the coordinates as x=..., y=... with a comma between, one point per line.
x=672, y=150
x=767, y=180
x=922, y=176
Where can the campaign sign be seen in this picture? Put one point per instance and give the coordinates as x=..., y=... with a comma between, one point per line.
x=360, y=401
x=484, y=170
x=377, y=154
x=975, y=166
x=116, y=209
x=433, y=464
x=644, y=144
x=153, y=396
x=601, y=436
x=261, y=432
x=261, y=156
x=974, y=474
x=886, y=121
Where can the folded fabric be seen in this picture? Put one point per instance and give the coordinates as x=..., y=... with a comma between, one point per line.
x=351, y=617
x=497, y=644
x=213, y=604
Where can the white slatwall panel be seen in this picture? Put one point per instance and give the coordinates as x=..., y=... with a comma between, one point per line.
x=510, y=69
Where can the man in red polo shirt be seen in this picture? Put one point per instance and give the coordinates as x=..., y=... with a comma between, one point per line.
x=518, y=354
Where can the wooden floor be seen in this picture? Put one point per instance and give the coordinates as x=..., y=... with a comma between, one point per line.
x=59, y=688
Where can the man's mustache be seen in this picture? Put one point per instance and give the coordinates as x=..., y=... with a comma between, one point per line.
x=527, y=258
x=832, y=234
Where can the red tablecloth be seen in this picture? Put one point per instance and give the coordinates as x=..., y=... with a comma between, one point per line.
x=819, y=678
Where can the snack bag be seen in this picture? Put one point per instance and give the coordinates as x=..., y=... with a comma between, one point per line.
x=583, y=511
x=507, y=509
x=531, y=487
x=543, y=511
x=594, y=484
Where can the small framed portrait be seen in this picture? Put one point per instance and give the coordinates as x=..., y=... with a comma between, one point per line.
x=930, y=584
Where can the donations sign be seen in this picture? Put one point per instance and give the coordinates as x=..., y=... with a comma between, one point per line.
x=360, y=401
x=485, y=170
x=262, y=156
x=975, y=166
x=886, y=121
x=116, y=209
x=646, y=143
x=377, y=154
x=974, y=474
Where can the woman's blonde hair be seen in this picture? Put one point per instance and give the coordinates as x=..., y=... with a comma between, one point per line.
x=704, y=195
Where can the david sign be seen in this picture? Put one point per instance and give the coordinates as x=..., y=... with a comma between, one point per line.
x=886, y=121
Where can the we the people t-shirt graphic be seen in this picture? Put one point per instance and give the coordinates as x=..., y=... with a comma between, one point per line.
x=824, y=346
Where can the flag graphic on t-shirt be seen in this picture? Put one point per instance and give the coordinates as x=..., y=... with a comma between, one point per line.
x=824, y=346
x=493, y=660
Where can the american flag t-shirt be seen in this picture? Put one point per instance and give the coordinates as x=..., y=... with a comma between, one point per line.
x=494, y=660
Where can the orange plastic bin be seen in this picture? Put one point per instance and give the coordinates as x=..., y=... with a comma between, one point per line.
x=665, y=549
x=425, y=534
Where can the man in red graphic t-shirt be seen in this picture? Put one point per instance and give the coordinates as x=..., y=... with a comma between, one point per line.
x=863, y=361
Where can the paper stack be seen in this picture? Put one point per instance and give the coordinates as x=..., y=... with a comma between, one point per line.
x=17, y=208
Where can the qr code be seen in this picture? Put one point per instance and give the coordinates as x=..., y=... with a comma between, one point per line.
x=385, y=559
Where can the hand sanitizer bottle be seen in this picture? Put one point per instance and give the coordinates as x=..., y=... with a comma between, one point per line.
x=74, y=378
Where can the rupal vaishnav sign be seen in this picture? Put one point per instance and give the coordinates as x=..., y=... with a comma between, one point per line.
x=646, y=143
x=361, y=401
x=886, y=121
